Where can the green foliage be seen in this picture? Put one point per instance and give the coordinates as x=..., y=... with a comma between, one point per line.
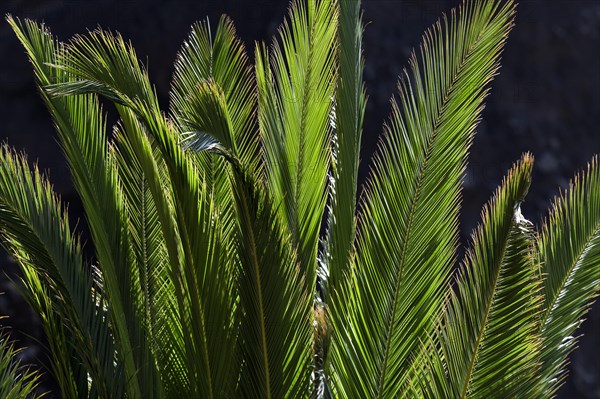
x=16, y=381
x=212, y=274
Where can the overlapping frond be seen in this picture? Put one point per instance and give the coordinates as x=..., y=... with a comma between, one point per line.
x=569, y=251
x=347, y=115
x=64, y=363
x=153, y=288
x=269, y=283
x=275, y=331
x=202, y=279
x=206, y=223
x=408, y=225
x=224, y=65
x=16, y=381
x=487, y=344
x=274, y=342
x=81, y=129
x=216, y=71
x=36, y=232
x=296, y=83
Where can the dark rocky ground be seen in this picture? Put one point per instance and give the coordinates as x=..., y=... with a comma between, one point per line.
x=546, y=100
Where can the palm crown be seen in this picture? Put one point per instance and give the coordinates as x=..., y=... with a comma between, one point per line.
x=232, y=258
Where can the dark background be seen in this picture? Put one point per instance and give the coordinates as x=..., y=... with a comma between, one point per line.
x=545, y=100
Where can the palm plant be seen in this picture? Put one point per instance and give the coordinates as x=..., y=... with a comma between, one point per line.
x=231, y=256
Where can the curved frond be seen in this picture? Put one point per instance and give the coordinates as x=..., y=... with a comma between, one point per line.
x=408, y=225
x=569, y=251
x=153, y=288
x=36, y=232
x=275, y=306
x=222, y=63
x=65, y=364
x=275, y=330
x=81, y=127
x=487, y=342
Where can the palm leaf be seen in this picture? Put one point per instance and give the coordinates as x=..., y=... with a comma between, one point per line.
x=65, y=364
x=408, y=225
x=296, y=83
x=82, y=132
x=154, y=290
x=569, y=250
x=223, y=62
x=275, y=330
x=274, y=340
x=16, y=381
x=350, y=101
x=487, y=342
x=107, y=64
x=36, y=232
x=223, y=65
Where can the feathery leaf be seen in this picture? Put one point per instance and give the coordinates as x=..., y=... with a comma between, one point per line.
x=16, y=381
x=36, y=232
x=487, y=343
x=296, y=83
x=408, y=225
x=569, y=251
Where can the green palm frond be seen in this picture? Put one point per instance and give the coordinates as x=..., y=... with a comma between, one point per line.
x=266, y=261
x=296, y=82
x=487, y=343
x=348, y=112
x=223, y=64
x=274, y=341
x=216, y=70
x=275, y=329
x=64, y=362
x=569, y=251
x=408, y=226
x=202, y=284
x=81, y=128
x=36, y=232
x=154, y=291
x=16, y=381
x=204, y=277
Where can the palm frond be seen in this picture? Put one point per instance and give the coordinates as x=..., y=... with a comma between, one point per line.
x=408, y=225
x=203, y=283
x=155, y=298
x=36, y=232
x=296, y=83
x=221, y=63
x=81, y=128
x=487, y=340
x=350, y=102
x=275, y=330
x=569, y=251
x=16, y=381
x=64, y=363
